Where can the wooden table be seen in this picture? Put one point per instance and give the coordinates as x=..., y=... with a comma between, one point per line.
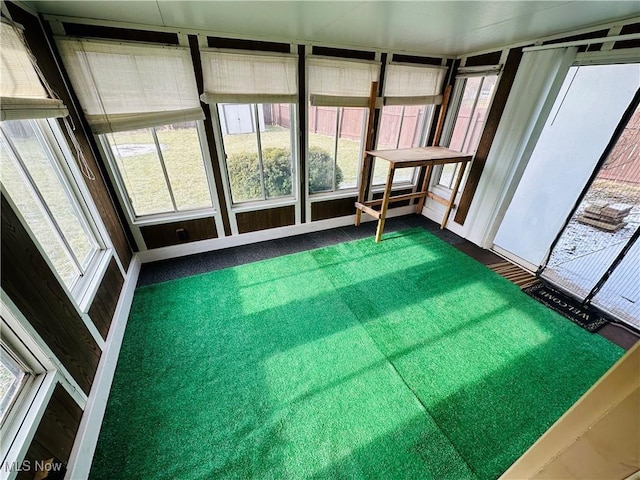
x=407, y=158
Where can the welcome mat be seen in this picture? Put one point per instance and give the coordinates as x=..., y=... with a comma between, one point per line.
x=566, y=306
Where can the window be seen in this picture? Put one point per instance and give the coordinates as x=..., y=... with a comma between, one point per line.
x=147, y=116
x=257, y=141
x=254, y=96
x=335, y=147
x=339, y=92
x=474, y=95
x=403, y=126
x=35, y=181
x=13, y=376
x=161, y=169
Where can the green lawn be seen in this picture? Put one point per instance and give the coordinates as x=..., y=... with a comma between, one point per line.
x=142, y=173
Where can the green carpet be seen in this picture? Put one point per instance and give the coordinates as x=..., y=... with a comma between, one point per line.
x=403, y=359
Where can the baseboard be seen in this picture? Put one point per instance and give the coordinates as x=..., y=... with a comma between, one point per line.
x=87, y=436
x=202, y=246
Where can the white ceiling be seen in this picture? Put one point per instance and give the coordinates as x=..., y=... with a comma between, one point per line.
x=438, y=27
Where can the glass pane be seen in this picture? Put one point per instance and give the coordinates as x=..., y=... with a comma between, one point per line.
x=275, y=140
x=465, y=118
x=480, y=113
x=39, y=162
x=137, y=160
x=620, y=295
x=240, y=141
x=351, y=130
x=182, y=157
x=322, y=148
x=472, y=116
x=11, y=375
x=609, y=213
x=447, y=175
x=400, y=127
x=31, y=210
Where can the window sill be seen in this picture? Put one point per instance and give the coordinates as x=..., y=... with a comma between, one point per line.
x=252, y=206
x=161, y=218
x=322, y=196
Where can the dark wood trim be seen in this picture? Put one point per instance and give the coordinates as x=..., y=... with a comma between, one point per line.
x=35, y=290
x=343, y=53
x=489, y=133
x=398, y=57
x=176, y=233
x=210, y=137
x=265, y=219
x=55, y=434
x=242, y=44
x=582, y=36
x=104, y=303
x=117, y=33
x=492, y=58
x=301, y=117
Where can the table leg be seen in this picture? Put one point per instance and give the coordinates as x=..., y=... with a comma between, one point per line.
x=425, y=188
x=454, y=192
x=385, y=203
x=364, y=181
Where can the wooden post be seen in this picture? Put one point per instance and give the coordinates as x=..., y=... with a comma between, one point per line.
x=424, y=189
x=366, y=160
x=443, y=112
x=436, y=139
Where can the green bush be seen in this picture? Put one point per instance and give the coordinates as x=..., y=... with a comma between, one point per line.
x=276, y=163
x=244, y=173
x=321, y=170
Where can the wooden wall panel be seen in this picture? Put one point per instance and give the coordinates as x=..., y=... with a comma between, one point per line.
x=115, y=33
x=339, y=207
x=265, y=219
x=492, y=58
x=104, y=304
x=56, y=433
x=165, y=235
x=488, y=134
x=33, y=287
x=244, y=44
x=101, y=190
x=399, y=57
x=342, y=207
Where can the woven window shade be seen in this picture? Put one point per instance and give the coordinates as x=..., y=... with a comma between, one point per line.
x=124, y=86
x=413, y=85
x=22, y=94
x=249, y=78
x=340, y=83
